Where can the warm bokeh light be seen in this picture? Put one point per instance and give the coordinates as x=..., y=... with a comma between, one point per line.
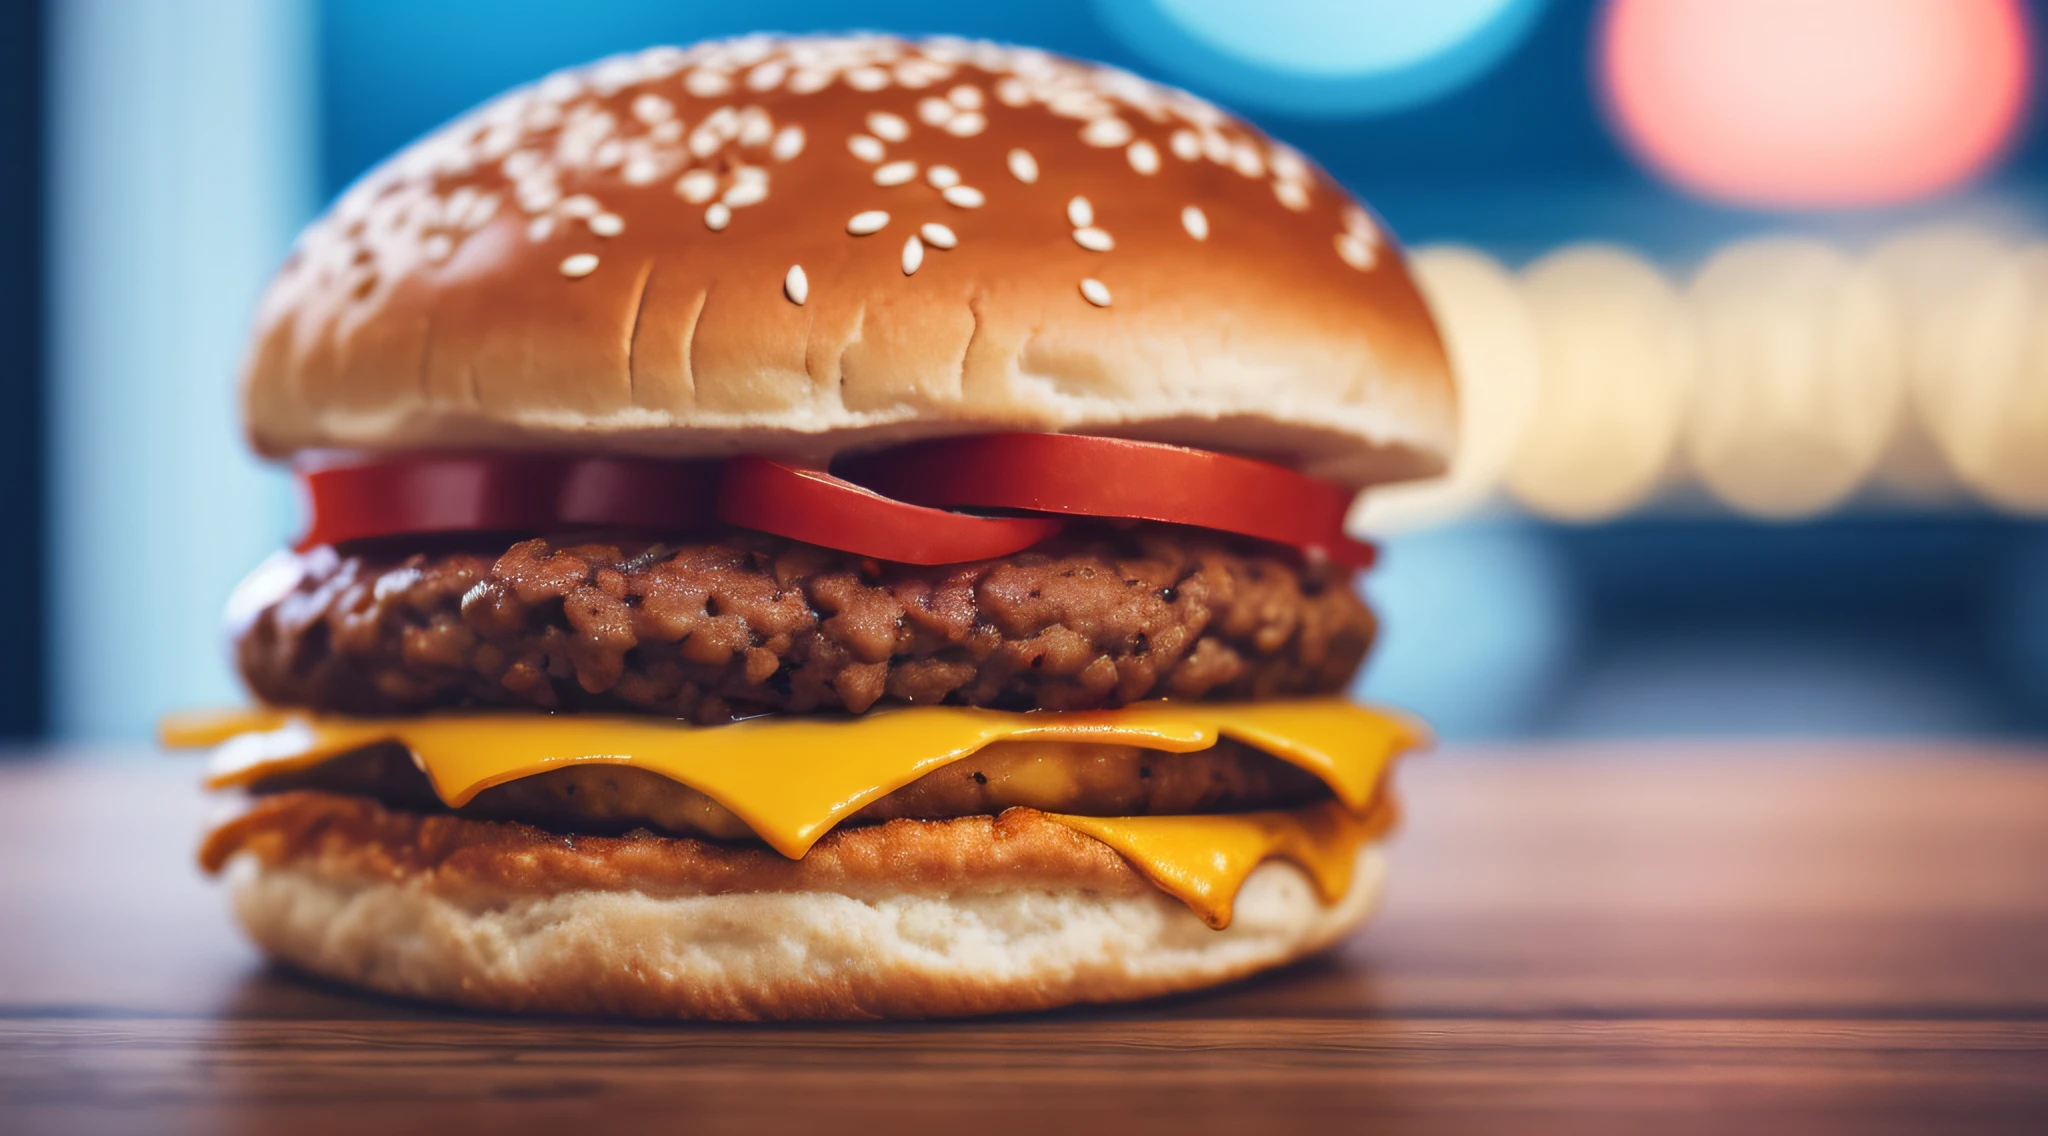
x=1800, y=377
x=1492, y=345
x=1808, y=103
x=1933, y=275
x=1616, y=360
x=1988, y=407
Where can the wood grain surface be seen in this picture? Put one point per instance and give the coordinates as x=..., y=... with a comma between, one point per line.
x=1633, y=938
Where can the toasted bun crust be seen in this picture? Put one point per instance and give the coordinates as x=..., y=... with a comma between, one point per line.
x=608, y=261
x=901, y=920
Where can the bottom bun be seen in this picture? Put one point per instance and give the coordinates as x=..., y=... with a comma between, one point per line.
x=787, y=954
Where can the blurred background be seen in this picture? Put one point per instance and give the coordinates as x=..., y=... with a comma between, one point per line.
x=1750, y=298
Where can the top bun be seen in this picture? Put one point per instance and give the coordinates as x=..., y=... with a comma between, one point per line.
x=804, y=246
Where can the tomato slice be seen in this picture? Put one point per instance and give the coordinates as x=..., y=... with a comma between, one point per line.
x=815, y=507
x=1112, y=477
x=893, y=506
x=506, y=493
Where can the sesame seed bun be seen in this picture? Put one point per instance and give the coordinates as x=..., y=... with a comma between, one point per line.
x=907, y=919
x=808, y=246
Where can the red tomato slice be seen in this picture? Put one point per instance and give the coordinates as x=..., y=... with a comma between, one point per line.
x=898, y=512
x=1111, y=477
x=818, y=508
x=503, y=493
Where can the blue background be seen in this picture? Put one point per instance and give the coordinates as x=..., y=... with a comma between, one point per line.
x=1879, y=619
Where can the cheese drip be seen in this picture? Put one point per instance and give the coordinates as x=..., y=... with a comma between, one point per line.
x=1203, y=860
x=791, y=780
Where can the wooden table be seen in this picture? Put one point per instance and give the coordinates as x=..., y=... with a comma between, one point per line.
x=1643, y=937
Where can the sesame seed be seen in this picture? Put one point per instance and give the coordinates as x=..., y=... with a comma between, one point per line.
x=579, y=265
x=789, y=142
x=888, y=127
x=1080, y=213
x=481, y=212
x=560, y=87
x=1077, y=104
x=625, y=119
x=1093, y=239
x=870, y=221
x=1095, y=291
x=916, y=74
x=1356, y=251
x=895, y=173
x=867, y=147
x=538, y=197
x=706, y=84
x=640, y=170
x=1247, y=159
x=697, y=186
x=661, y=62
x=796, y=286
x=922, y=72
x=1106, y=131
x=1288, y=165
x=744, y=193
x=913, y=254
x=756, y=128
x=651, y=109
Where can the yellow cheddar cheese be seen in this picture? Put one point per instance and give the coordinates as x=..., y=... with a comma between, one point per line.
x=792, y=779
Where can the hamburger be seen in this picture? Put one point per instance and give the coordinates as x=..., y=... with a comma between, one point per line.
x=821, y=528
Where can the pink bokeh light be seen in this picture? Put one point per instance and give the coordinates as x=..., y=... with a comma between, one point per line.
x=1815, y=103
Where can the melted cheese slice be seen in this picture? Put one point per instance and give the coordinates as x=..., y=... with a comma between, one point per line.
x=792, y=779
x=1203, y=860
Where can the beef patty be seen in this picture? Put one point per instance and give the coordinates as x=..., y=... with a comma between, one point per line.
x=744, y=623
x=1088, y=779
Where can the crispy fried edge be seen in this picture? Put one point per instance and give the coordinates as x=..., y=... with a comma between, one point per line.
x=342, y=836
